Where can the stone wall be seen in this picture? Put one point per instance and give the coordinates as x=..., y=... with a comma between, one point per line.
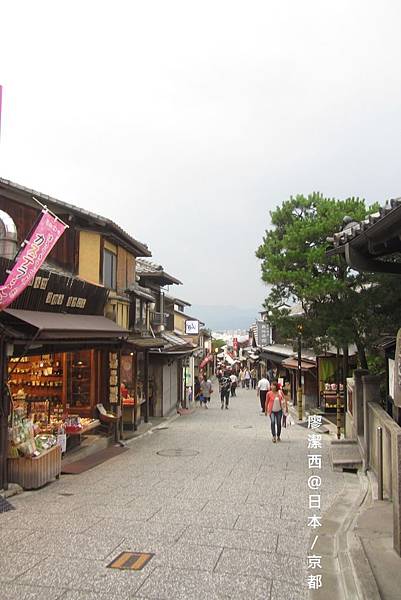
x=369, y=416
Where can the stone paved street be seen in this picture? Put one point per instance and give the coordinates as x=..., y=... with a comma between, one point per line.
x=227, y=522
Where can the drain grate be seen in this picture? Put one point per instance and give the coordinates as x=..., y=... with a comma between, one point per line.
x=65, y=494
x=5, y=506
x=131, y=561
x=243, y=426
x=177, y=452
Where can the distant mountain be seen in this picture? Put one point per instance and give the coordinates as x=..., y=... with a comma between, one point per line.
x=221, y=318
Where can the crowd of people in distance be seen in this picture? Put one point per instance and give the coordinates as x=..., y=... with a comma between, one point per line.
x=272, y=397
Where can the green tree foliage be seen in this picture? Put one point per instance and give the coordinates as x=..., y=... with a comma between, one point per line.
x=217, y=343
x=340, y=305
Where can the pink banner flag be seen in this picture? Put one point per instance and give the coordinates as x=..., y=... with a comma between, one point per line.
x=45, y=235
x=1, y=94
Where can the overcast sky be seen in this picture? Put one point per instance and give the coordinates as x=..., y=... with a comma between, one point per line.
x=186, y=122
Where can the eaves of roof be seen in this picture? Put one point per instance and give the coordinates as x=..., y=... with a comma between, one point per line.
x=358, y=233
x=146, y=268
x=138, y=248
x=177, y=300
x=141, y=292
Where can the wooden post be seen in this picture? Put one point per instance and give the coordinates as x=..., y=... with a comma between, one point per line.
x=338, y=397
x=4, y=411
x=146, y=384
x=345, y=392
x=299, y=389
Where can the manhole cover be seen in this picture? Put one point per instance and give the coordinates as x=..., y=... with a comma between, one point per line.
x=177, y=452
x=243, y=426
x=133, y=561
x=5, y=506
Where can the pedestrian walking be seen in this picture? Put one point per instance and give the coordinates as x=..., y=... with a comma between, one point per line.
x=276, y=405
x=225, y=387
x=205, y=391
x=262, y=388
x=196, y=389
x=247, y=378
x=241, y=377
x=233, y=378
x=253, y=378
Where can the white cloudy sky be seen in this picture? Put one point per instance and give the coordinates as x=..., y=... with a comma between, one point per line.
x=186, y=122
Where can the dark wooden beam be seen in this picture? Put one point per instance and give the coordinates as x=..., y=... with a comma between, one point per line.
x=360, y=262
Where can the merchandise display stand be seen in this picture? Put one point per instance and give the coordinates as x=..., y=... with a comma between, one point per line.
x=34, y=472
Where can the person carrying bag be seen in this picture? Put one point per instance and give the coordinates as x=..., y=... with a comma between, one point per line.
x=276, y=405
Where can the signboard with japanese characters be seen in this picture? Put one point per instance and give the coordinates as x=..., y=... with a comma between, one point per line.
x=264, y=336
x=33, y=253
x=50, y=291
x=191, y=327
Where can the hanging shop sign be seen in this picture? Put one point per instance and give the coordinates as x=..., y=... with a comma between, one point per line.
x=235, y=346
x=34, y=251
x=191, y=327
x=264, y=334
x=113, y=378
x=50, y=291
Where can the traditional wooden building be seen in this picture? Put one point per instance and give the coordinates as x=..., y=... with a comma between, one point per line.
x=374, y=245
x=64, y=337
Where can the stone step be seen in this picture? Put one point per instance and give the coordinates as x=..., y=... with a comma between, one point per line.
x=91, y=444
x=345, y=454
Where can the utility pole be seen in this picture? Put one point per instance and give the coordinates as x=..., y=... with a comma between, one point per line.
x=299, y=387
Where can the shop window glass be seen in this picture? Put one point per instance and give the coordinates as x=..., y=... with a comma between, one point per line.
x=80, y=380
x=109, y=269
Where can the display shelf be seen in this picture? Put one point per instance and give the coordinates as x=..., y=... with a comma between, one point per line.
x=33, y=473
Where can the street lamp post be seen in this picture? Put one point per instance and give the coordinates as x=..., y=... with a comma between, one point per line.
x=299, y=386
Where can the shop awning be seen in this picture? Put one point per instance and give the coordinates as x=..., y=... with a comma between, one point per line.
x=175, y=344
x=292, y=363
x=59, y=327
x=145, y=343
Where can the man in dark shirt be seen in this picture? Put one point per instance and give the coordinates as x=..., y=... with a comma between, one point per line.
x=225, y=387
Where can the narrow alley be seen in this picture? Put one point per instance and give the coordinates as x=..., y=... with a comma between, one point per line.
x=222, y=508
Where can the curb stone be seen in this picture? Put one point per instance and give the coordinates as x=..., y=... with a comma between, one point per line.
x=346, y=569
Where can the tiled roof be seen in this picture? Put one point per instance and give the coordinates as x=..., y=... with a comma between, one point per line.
x=147, y=266
x=177, y=300
x=70, y=208
x=352, y=229
x=175, y=342
x=151, y=269
x=141, y=291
